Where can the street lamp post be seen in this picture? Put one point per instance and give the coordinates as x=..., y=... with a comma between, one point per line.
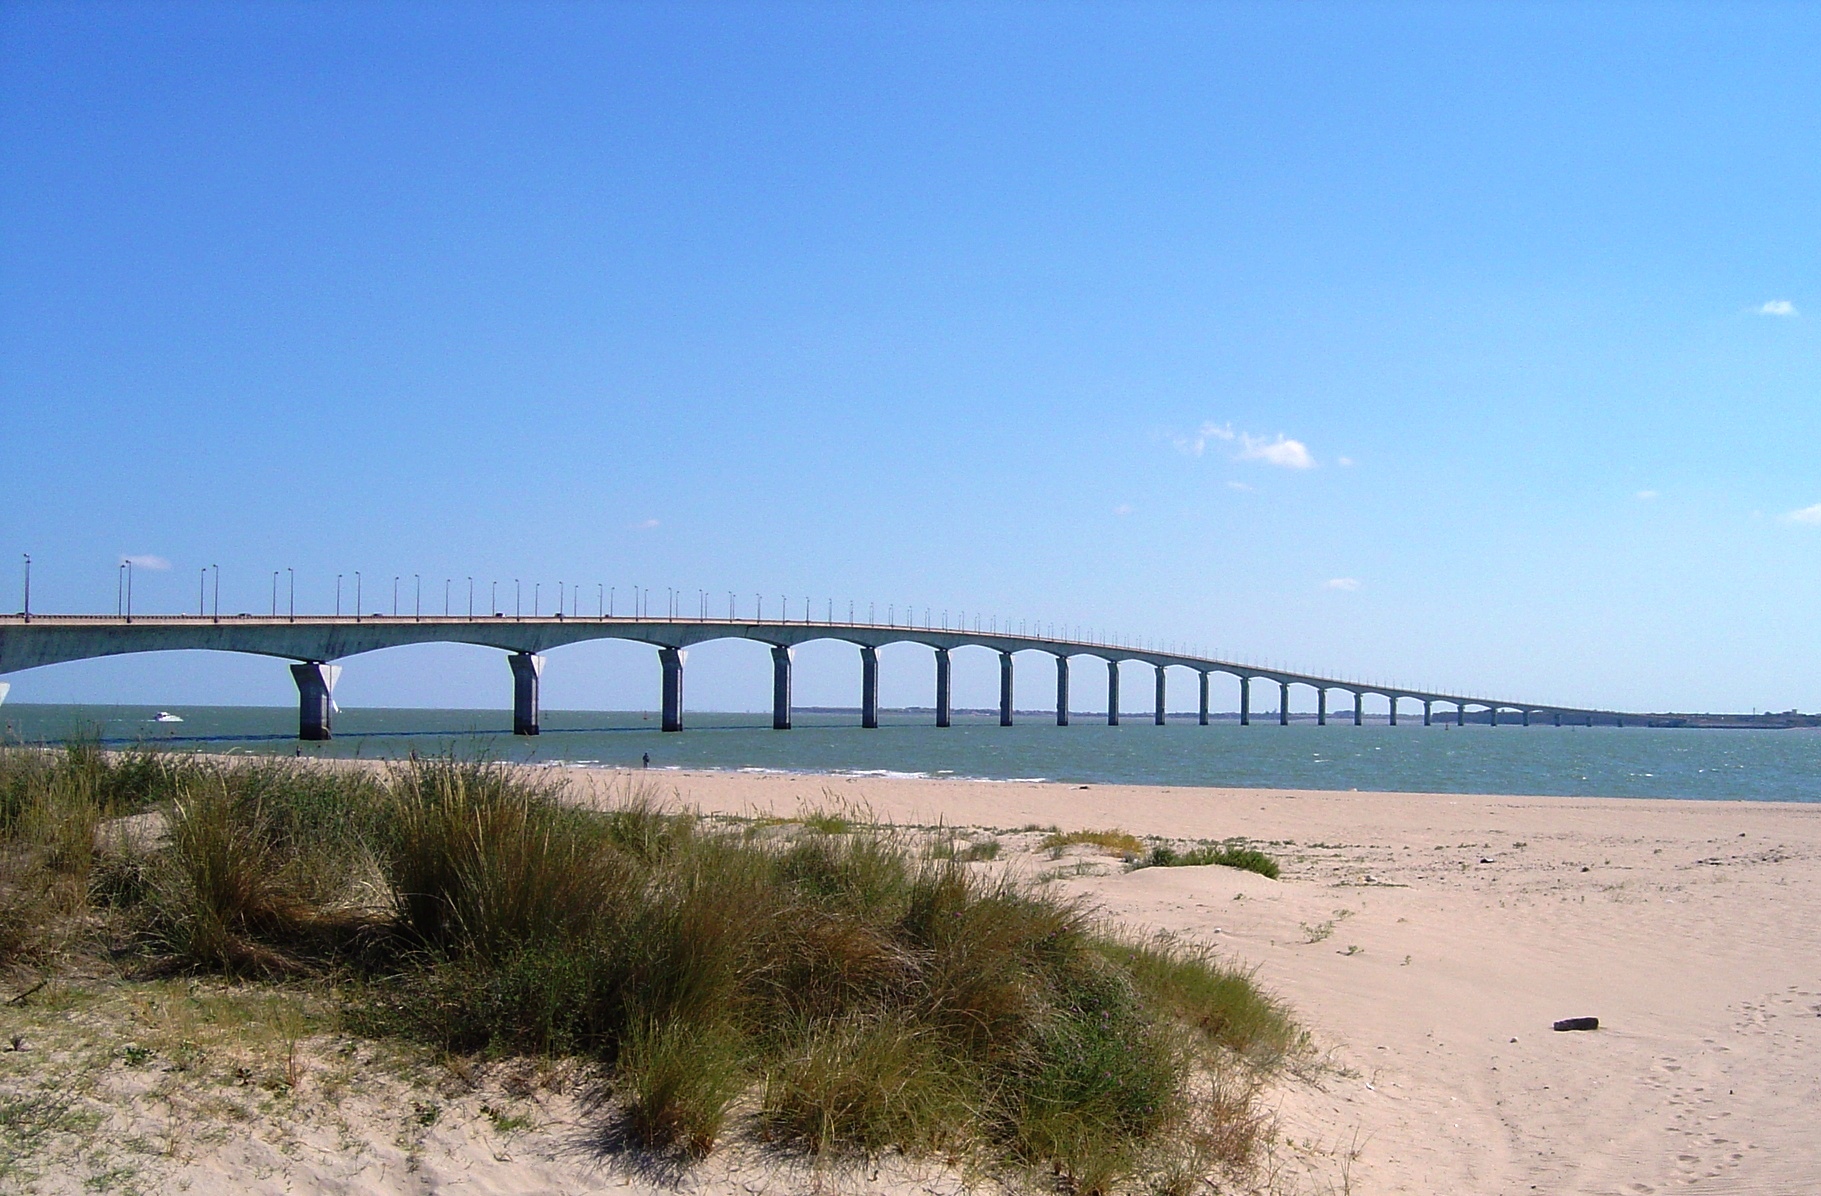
x=518, y=599
x=202, y=589
x=338, y=595
x=395, y=595
x=28, y=586
x=470, y=597
x=129, y=591
x=417, y=579
x=217, y=569
x=274, y=593
x=357, y=595
x=293, y=580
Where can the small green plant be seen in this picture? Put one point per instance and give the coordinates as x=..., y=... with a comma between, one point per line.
x=505, y=1122
x=1317, y=932
x=965, y=853
x=1245, y=858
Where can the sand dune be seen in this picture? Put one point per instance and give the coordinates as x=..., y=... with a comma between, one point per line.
x=1431, y=940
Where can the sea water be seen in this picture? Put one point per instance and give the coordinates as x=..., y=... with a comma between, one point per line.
x=1763, y=765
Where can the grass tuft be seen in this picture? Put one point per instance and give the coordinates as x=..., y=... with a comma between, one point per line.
x=1247, y=859
x=1123, y=844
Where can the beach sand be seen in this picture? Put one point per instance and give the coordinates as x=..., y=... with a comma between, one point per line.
x=1430, y=941
x=1426, y=941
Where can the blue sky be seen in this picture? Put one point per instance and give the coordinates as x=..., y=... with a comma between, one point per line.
x=1469, y=346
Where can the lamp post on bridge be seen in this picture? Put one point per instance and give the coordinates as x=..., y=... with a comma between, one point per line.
x=27, y=609
x=274, y=593
x=338, y=595
x=202, y=589
x=291, y=575
x=357, y=595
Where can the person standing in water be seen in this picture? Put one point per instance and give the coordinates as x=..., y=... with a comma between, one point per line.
x=647, y=763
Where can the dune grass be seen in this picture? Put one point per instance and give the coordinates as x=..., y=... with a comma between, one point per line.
x=1247, y=859
x=830, y=988
x=1123, y=844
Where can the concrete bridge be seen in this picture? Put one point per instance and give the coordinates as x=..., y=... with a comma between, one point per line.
x=313, y=643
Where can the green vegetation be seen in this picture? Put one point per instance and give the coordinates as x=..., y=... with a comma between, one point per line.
x=1249, y=859
x=829, y=987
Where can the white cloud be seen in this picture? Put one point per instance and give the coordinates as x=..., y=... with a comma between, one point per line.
x=145, y=560
x=1646, y=495
x=1806, y=515
x=1197, y=444
x=1778, y=307
x=1346, y=584
x=1282, y=452
x=646, y=526
x=1124, y=508
x=1346, y=460
x=1239, y=486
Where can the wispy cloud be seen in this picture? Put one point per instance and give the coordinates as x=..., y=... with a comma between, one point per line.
x=1240, y=486
x=1647, y=495
x=1346, y=584
x=1345, y=461
x=1281, y=452
x=1778, y=307
x=1196, y=443
x=145, y=560
x=1123, y=509
x=1806, y=515
x=1278, y=450
x=645, y=526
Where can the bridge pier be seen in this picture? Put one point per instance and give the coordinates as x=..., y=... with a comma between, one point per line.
x=944, y=708
x=1558, y=718
x=1492, y=713
x=780, y=687
x=1005, y=689
x=1062, y=691
x=1283, y=703
x=1392, y=698
x=1526, y=717
x=1204, y=699
x=1321, y=705
x=527, y=667
x=1112, y=693
x=1359, y=708
x=869, y=686
x=672, y=661
x=1460, y=714
x=1160, y=691
x=1428, y=705
x=1245, y=701
x=315, y=698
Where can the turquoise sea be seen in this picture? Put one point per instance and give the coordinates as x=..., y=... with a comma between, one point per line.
x=1573, y=761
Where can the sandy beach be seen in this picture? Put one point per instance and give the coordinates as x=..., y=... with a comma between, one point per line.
x=1429, y=942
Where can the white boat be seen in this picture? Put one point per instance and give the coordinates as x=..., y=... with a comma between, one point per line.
x=165, y=716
